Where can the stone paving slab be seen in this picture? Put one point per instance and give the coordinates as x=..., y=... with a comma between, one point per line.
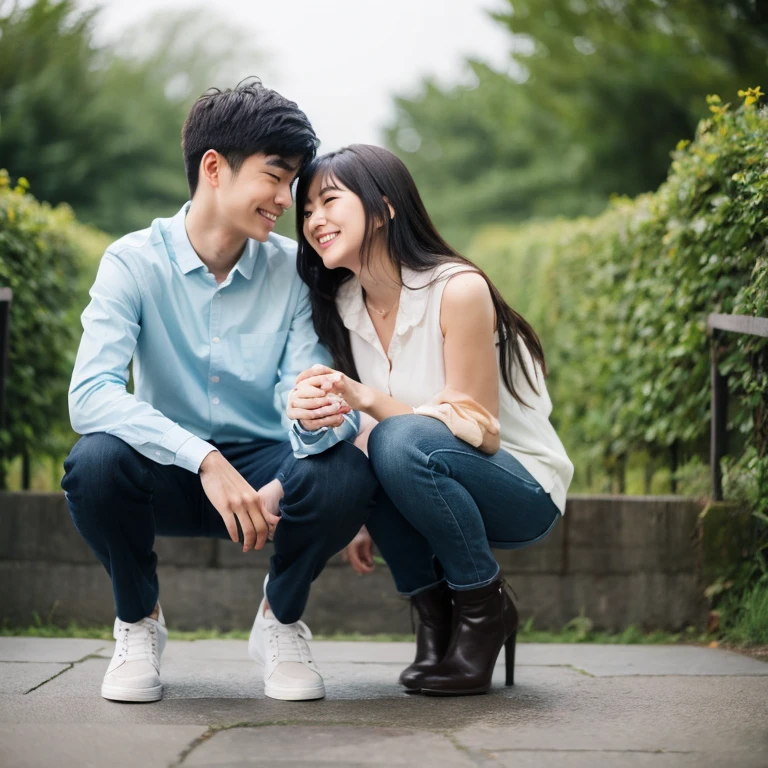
x=94, y=746
x=227, y=679
x=622, y=660
x=338, y=745
x=60, y=649
x=21, y=677
x=679, y=714
x=590, y=658
x=614, y=759
x=571, y=706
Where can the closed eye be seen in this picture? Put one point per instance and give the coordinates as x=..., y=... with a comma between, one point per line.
x=328, y=200
x=276, y=178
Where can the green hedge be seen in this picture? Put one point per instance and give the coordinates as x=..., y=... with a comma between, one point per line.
x=46, y=258
x=621, y=300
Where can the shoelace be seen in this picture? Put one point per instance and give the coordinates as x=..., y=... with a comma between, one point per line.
x=138, y=645
x=288, y=642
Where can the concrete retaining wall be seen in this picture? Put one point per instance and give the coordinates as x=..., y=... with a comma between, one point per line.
x=621, y=559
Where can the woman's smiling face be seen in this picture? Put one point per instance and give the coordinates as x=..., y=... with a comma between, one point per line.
x=334, y=222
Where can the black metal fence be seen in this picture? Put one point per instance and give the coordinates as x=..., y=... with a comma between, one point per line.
x=716, y=323
x=5, y=327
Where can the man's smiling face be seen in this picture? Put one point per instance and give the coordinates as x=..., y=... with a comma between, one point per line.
x=251, y=200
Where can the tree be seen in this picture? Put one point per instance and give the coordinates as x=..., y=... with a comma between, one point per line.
x=597, y=93
x=99, y=127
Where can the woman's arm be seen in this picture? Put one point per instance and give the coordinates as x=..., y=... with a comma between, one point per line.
x=367, y=423
x=468, y=321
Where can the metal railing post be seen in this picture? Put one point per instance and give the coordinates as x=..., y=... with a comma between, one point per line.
x=744, y=324
x=6, y=296
x=718, y=423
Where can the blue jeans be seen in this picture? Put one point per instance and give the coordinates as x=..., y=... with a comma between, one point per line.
x=119, y=500
x=440, y=499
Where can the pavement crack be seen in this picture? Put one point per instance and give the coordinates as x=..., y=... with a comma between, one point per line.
x=480, y=757
x=579, y=670
x=70, y=665
x=52, y=677
x=194, y=744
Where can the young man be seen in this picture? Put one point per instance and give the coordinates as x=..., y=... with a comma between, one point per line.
x=209, y=306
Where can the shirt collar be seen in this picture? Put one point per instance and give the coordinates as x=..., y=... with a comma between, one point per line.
x=413, y=301
x=187, y=258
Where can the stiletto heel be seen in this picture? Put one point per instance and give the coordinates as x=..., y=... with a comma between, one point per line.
x=485, y=620
x=509, y=657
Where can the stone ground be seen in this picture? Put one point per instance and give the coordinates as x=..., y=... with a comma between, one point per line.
x=594, y=706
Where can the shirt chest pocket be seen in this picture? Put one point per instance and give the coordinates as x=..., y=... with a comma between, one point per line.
x=259, y=357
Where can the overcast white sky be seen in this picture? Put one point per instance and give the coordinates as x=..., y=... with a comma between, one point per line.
x=342, y=61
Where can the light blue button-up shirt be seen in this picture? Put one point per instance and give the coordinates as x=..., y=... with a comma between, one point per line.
x=211, y=362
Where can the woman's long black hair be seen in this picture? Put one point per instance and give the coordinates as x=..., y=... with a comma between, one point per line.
x=411, y=240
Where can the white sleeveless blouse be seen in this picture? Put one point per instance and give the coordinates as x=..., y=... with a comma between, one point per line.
x=413, y=372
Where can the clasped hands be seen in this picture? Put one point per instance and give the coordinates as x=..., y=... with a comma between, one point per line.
x=322, y=397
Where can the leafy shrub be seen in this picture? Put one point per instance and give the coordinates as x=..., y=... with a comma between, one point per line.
x=44, y=255
x=621, y=301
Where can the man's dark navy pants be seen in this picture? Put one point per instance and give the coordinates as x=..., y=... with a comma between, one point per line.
x=120, y=500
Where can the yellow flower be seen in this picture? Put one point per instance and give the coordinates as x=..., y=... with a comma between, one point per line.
x=751, y=95
x=682, y=144
x=22, y=182
x=11, y=215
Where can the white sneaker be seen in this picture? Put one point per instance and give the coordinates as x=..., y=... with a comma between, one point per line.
x=134, y=672
x=289, y=669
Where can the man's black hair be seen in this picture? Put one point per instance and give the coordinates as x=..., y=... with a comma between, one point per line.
x=243, y=121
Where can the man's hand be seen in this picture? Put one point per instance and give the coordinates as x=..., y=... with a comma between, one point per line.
x=236, y=501
x=359, y=553
x=314, y=407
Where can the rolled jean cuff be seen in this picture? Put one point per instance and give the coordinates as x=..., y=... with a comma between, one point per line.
x=421, y=589
x=477, y=585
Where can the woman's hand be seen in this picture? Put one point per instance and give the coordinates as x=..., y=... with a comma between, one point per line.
x=336, y=384
x=359, y=553
x=313, y=407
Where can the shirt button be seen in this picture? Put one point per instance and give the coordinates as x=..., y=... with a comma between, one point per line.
x=215, y=401
x=216, y=339
x=215, y=379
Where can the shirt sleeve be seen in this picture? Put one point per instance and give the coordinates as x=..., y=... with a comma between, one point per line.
x=302, y=351
x=98, y=398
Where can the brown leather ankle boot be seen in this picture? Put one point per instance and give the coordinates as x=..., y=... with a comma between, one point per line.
x=485, y=619
x=433, y=635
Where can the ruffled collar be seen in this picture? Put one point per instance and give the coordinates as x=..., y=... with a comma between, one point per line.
x=413, y=303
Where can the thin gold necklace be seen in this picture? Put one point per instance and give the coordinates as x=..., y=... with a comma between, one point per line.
x=380, y=312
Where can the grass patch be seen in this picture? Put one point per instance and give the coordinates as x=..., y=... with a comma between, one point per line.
x=73, y=629
x=745, y=616
x=576, y=631
x=580, y=630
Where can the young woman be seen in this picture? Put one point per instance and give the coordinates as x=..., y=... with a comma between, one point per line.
x=449, y=381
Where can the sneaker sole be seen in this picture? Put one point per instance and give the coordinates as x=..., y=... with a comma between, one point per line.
x=118, y=693
x=293, y=694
